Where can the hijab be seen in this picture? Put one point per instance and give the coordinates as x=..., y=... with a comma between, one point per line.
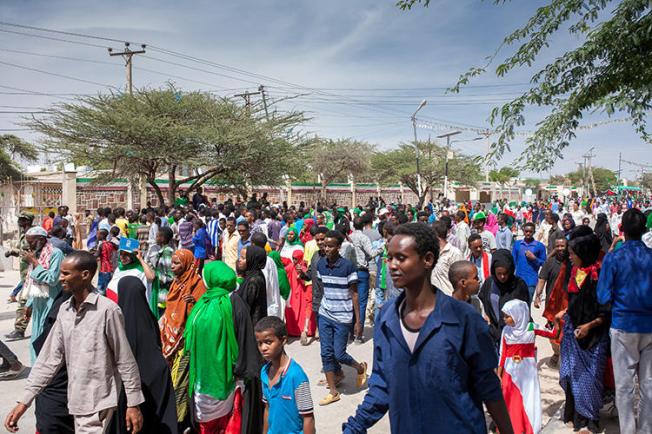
x=503, y=258
x=253, y=289
x=140, y=325
x=283, y=282
x=177, y=310
x=569, y=218
x=307, y=224
x=492, y=224
x=210, y=335
x=521, y=332
x=603, y=232
x=297, y=240
x=135, y=263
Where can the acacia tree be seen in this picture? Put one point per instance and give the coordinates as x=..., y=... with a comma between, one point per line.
x=336, y=160
x=399, y=165
x=604, y=178
x=13, y=148
x=611, y=70
x=162, y=131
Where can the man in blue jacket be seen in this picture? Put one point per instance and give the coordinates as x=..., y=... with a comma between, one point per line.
x=529, y=255
x=626, y=282
x=433, y=358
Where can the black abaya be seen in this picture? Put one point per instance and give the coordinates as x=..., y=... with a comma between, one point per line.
x=248, y=367
x=253, y=289
x=51, y=409
x=159, y=409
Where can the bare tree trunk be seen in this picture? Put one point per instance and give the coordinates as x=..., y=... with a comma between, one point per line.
x=172, y=185
x=157, y=190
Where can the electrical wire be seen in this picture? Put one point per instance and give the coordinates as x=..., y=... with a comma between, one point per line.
x=61, y=32
x=68, y=77
x=87, y=44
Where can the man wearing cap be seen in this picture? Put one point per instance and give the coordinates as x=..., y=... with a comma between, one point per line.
x=25, y=221
x=41, y=284
x=488, y=239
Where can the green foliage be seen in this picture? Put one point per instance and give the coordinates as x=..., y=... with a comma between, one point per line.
x=504, y=175
x=604, y=178
x=335, y=160
x=13, y=148
x=610, y=71
x=399, y=165
x=645, y=181
x=159, y=131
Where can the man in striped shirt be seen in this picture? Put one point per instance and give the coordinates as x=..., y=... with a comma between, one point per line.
x=339, y=308
x=214, y=232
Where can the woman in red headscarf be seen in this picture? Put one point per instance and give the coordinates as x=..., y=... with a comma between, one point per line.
x=305, y=234
x=299, y=317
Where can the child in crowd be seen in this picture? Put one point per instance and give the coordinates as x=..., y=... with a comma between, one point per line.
x=518, y=367
x=463, y=276
x=106, y=253
x=286, y=390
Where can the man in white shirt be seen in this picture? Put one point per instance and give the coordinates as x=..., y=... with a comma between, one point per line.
x=577, y=213
x=447, y=255
x=462, y=232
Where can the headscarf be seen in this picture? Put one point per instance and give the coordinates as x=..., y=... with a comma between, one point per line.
x=603, y=232
x=253, y=289
x=177, y=310
x=521, y=332
x=297, y=240
x=210, y=335
x=307, y=236
x=140, y=325
x=569, y=218
x=283, y=282
x=135, y=263
x=492, y=224
x=648, y=223
x=503, y=258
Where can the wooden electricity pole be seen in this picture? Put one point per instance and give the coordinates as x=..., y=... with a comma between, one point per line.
x=127, y=55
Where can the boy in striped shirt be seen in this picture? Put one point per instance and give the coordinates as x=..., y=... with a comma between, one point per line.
x=339, y=309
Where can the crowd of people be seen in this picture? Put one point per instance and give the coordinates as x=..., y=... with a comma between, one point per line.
x=169, y=320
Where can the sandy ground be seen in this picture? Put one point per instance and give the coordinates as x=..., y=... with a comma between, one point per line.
x=329, y=419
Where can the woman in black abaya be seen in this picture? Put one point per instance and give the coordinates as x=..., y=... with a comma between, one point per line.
x=159, y=410
x=253, y=289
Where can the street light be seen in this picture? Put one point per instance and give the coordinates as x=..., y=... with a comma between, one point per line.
x=448, y=148
x=416, y=144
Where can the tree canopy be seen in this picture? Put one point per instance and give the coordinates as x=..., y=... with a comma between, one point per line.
x=336, y=160
x=604, y=178
x=610, y=71
x=162, y=131
x=503, y=175
x=13, y=148
x=399, y=165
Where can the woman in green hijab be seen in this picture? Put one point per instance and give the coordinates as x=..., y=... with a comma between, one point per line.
x=283, y=282
x=221, y=345
x=292, y=243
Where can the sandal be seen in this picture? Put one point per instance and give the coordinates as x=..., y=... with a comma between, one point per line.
x=329, y=399
x=361, y=379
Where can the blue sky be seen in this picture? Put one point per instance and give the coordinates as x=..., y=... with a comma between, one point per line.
x=363, y=65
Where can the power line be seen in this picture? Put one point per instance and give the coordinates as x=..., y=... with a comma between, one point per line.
x=61, y=32
x=199, y=69
x=68, y=77
x=87, y=44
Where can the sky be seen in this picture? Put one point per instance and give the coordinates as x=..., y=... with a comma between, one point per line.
x=357, y=68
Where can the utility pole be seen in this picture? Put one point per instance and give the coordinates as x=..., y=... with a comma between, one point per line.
x=247, y=98
x=589, y=171
x=413, y=118
x=261, y=89
x=127, y=55
x=620, y=161
x=448, y=149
